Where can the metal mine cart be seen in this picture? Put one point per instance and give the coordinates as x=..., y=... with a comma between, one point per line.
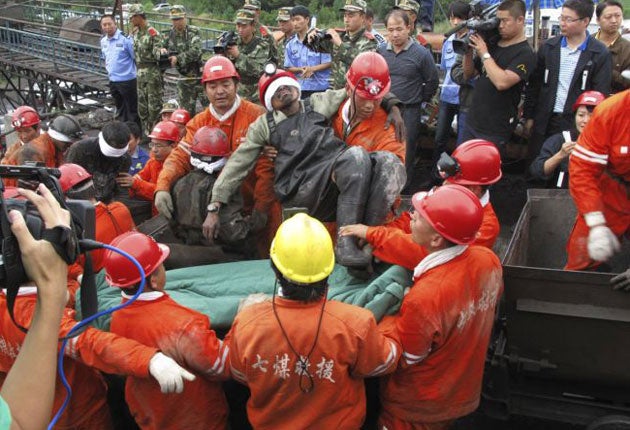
x=561, y=344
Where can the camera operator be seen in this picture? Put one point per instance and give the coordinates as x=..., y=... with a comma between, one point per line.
x=345, y=46
x=29, y=360
x=29, y=387
x=503, y=70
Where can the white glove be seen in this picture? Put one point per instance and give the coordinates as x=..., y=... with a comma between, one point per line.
x=168, y=373
x=164, y=203
x=602, y=243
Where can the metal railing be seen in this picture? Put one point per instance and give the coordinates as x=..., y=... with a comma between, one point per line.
x=54, y=16
x=54, y=50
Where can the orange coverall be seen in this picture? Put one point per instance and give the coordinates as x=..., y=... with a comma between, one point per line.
x=257, y=189
x=349, y=348
x=43, y=145
x=369, y=133
x=444, y=327
x=112, y=220
x=185, y=335
x=392, y=242
x=87, y=353
x=145, y=180
x=599, y=176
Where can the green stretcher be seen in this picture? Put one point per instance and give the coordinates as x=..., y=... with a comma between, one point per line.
x=216, y=290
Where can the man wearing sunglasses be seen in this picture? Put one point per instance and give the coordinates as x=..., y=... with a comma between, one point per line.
x=567, y=65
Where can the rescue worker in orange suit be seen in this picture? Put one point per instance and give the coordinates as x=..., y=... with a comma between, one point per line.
x=181, y=118
x=25, y=121
x=112, y=219
x=62, y=132
x=599, y=182
x=182, y=333
x=313, y=168
x=475, y=164
x=360, y=118
x=233, y=115
x=192, y=193
x=445, y=319
x=164, y=137
x=85, y=355
x=314, y=351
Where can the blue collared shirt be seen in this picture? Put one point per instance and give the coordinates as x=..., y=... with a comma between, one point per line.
x=117, y=51
x=296, y=54
x=450, y=90
x=568, y=62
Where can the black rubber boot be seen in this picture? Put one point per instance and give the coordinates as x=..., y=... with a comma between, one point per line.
x=388, y=179
x=352, y=173
x=348, y=253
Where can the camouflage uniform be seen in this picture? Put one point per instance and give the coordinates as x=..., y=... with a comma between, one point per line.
x=262, y=30
x=413, y=7
x=187, y=44
x=252, y=58
x=147, y=44
x=351, y=46
x=283, y=15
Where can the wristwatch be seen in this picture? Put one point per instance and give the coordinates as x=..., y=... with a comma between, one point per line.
x=485, y=57
x=213, y=207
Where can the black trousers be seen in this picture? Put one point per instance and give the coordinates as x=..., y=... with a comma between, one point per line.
x=125, y=95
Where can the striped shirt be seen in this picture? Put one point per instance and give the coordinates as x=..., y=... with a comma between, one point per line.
x=568, y=62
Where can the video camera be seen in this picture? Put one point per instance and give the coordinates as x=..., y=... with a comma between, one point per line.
x=315, y=40
x=227, y=39
x=67, y=245
x=483, y=20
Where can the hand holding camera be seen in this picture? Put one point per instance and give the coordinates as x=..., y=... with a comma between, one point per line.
x=41, y=261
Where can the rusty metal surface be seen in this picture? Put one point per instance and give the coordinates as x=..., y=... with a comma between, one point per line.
x=572, y=321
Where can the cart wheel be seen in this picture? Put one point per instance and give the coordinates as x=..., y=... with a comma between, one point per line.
x=610, y=422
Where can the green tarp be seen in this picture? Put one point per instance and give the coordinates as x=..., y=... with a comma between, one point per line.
x=216, y=289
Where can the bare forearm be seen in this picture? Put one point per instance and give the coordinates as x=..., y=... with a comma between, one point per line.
x=468, y=66
x=551, y=164
x=500, y=78
x=34, y=370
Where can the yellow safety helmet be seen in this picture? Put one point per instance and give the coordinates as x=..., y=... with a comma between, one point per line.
x=302, y=250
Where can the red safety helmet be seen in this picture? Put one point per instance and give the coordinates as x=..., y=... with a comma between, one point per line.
x=369, y=75
x=119, y=271
x=452, y=210
x=24, y=116
x=270, y=75
x=476, y=162
x=588, y=98
x=165, y=130
x=180, y=116
x=210, y=142
x=72, y=175
x=218, y=67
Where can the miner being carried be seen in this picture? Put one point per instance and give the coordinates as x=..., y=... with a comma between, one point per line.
x=313, y=168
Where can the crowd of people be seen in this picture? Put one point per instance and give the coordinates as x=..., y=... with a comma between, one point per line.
x=306, y=141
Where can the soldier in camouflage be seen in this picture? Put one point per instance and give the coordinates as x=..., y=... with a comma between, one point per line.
x=411, y=7
x=261, y=30
x=249, y=55
x=350, y=43
x=183, y=45
x=147, y=45
x=286, y=31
